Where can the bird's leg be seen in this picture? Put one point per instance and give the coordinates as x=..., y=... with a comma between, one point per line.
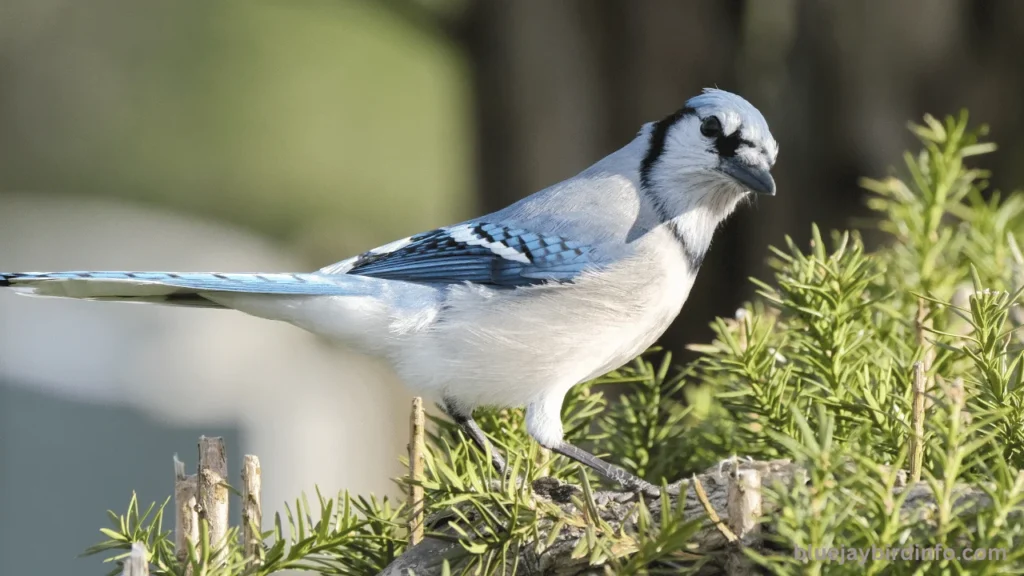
x=608, y=470
x=472, y=429
x=544, y=423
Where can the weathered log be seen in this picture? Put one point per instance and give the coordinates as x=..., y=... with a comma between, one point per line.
x=732, y=495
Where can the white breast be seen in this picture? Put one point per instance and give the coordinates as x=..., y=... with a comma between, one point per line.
x=665, y=295
x=507, y=348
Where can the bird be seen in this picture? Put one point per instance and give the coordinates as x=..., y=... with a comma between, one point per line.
x=514, y=308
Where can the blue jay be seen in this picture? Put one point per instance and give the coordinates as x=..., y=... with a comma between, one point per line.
x=514, y=308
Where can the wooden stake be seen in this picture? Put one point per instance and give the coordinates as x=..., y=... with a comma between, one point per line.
x=212, y=492
x=702, y=496
x=136, y=564
x=186, y=519
x=744, y=505
x=252, y=509
x=417, y=444
x=916, y=443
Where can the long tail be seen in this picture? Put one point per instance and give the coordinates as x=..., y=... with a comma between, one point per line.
x=178, y=288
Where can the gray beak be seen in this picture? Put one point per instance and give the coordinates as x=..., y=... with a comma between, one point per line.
x=753, y=178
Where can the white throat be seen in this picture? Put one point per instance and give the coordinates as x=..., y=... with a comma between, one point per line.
x=692, y=205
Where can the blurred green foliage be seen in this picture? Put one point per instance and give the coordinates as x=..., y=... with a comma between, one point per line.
x=330, y=126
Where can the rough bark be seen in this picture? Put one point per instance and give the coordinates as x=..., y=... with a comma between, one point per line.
x=737, y=504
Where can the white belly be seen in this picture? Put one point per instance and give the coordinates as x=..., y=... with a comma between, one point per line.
x=480, y=346
x=509, y=349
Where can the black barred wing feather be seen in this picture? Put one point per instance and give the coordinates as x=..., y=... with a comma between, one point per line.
x=476, y=252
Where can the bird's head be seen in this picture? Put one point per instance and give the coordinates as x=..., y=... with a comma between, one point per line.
x=717, y=144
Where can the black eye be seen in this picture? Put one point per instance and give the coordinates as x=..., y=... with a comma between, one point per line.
x=711, y=127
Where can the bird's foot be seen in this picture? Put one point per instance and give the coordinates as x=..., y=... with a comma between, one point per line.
x=639, y=486
x=646, y=489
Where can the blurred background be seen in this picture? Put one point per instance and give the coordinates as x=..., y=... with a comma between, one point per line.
x=271, y=135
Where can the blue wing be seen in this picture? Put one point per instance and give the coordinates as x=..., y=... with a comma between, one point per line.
x=477, y=252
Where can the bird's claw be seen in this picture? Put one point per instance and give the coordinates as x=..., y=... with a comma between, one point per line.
x=643, y=488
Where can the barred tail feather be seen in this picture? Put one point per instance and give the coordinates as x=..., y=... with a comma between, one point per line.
x=178, y=288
